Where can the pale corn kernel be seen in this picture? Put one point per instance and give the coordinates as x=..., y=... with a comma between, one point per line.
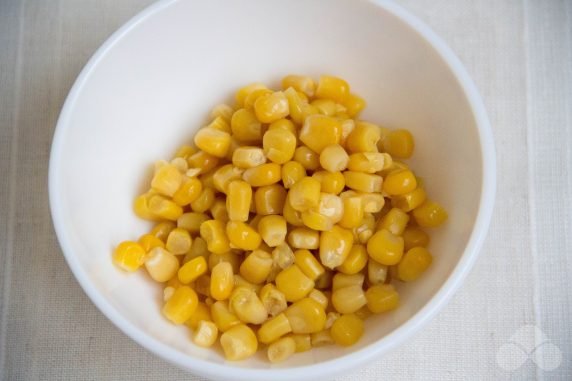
x=238, y=343
x=222, y=281
x=179, y=241
x=274, y=328
x=304, y=238
x=320, y=131
x=222, y=111
x=181, y=164
x=306, y=316
x=300, y=83
x=372, y=202
x=246, y=305
x=334, y=158
x=273, y=230
x=273, y=299
x=161, y=264
x=293, y=283
x=308, y=263
x=335, y=246
x=129, y=256
x=283, y=256
x=330, y=206
x=168, y=292
x=281, y=349
x=376, y=272
x=238, y=200
x=248, y=157
x=348, y=125
x=239, y=281
x=166, y=180
x=256, y=267
x=347, y=330
x=349, y=299
x=303, y=342
x=229, y=256
x=205, y=334
x=331, y=317
x=321, y=338
x=319, y=297
x=185, y=151
x=341, y=280
x=279, y=145
x=213, y=141
x=265, y=174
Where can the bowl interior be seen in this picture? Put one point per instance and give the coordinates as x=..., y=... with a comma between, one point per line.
x=153, y=88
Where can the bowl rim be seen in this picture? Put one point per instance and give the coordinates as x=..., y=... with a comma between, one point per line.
x=327, y=368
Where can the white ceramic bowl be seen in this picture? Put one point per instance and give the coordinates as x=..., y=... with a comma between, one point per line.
x=152, y=84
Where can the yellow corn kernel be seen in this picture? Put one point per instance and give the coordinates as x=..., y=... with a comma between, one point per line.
x=273, y=299
x=222, y=282
x=213, y=232
x=273, y=230
x=248, y=157
x=245, y=127
x=202, y=312
x=324, y=281
x=331, y=182
x=334, y=158
x=330, y=206
x=203, y=161
x=238, y=343
x=203, y=285
x=218, y=210
x=204, y=202
x=385, y=247
x=271, y=107
x=181, y=164
x=222, y=317
x=381, y=298
x=300, y=83
x=304, y=238
x=207, y=179
x=331, y=317
x=306, y=316
x=325, y=106
x=354, y=104
x=319, y=297
x=292, y=171
x=347, y=330
x=394, y=221
x=225, y=175
x=376, y=272
x=279, y=145
x=246, y=305
x=363, y=138
x=256, y=267
x=205, y=334
x=399, y=143
x=413, y=264
x=348, y=125
x=231, y=257
x=274, y=328
x=213, y=141
x=363, y=313
x=167, y=180
x=297, y=105
x=253, y=96
x=162, y=229
x=314, y=220
x=331, y=87
x=283, y=124
x=161, y=264
x=309, y=159
x=192, y=270
x=307, y=262
x=243, y=92
x=163, y=207
x=293, y=283
x=349, y=299
x=270, y=199
x=242, y=236
x=363, y=182
x=181, y=306
x=409, y=201
x=168, y=292
x=353, y=212
x=141, y=206
x=239, y=281
x=430, y=214
x=292, y=216
x=344, y=280
x=364, y=232
x=185, y=151
x=372, y=202
x=399, y=182
x=281, y=349
x=129, y=256
x=188, y=192
x=335, y=246
x=305, y=194
x=238, y=200
x=265, y=174
x=149, y=241
x=369, y=162
x=303, y=342
x=223, y=111
x=179, y=241
x=322, y=338
x=320, y=131
x=191, y=221
x=283, y=256
x=414, y=237
x=356, y=260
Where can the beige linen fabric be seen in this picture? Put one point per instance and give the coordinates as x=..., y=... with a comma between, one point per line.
x=520, y=55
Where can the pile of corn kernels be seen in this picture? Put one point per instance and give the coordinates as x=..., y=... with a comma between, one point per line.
x=286, y=224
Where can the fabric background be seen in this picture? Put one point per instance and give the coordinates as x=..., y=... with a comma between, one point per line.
x=520, y=55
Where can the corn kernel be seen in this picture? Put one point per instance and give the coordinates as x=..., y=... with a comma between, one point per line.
x=399, y=143
x=213, y=232
x=242, y=236
x=181, y=306
x=348, y=125
x=356, y=260
x=213, y=141
x=188, y=192
x=324, y=281
x=349, y=299
x=341, y=280
x=320, y=131
x=274, y=328
x=224, y=175
x=399, y=183
x=414, y=237
x=203, y=286
x=330, y=206
x=409, y=201
x=222, y=111
x=161, y=264
x=298, y=106
x=292, y=171
x=314, y=220
x=372, y=202
x=368, y=162
x=238, y=200
x=331, y=182
x=293, y=283
x=248, y=157
x=162, y=229
x=363, y=233
x=385, y=247
x=319, y=297
x=192, y=270
x=304, y=238
x=283, y=124
x=363, y=182
x=376, y=272
x=222, y=317
x=413, y=264
x=334, y=158
x=205, y=334
x=381, y=298
x=238, y=343
x=279, y=145
x=202, y=161
x=332, y=88
x=141, y=206
x=273, y=299
x=283, y=256
x=270, y=199
x=265, y=174
x=222, y=281
x=394, y=221
x=354, y=104
x=167, y=180
x=239, y=281
x=299, y=83
x=185, y=151
x=335, y=245
x=204, y=202
x=353, y=212
x=246, y=305
x=202, y=312
x=363, y=138
x=306, y=316
x=271, y=107
x=347, y=330
x=129, y=256
x=256, y=267
x=243, y=92
x=179, y=241
x=292, y=216
x=245, y=126
x=325, y=106
x=207, y=179
x=308, y=263
x=430, y=214
x=303, y=342
x=149, y=241
x=191, y=221
x=322, y=338
x=305, y=194
x=281, y=349
x=162, y=207
x=309, y=159
x=218, y=210
x=272, y=230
